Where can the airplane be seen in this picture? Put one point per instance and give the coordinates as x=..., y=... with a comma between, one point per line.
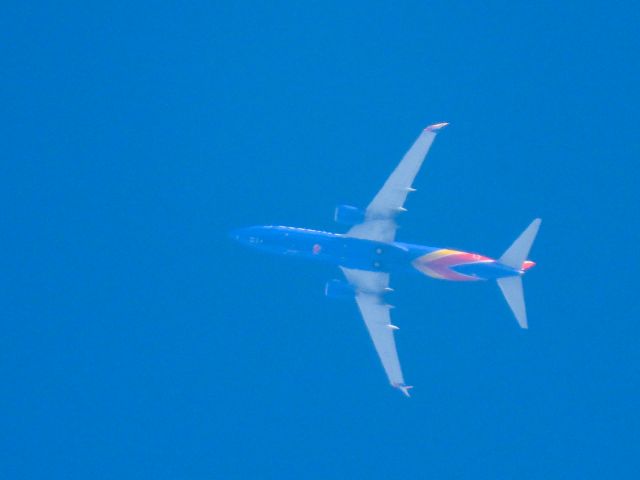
x=368, y=254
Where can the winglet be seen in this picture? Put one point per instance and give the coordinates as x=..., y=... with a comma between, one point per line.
x=403, y=388
x=435, y=127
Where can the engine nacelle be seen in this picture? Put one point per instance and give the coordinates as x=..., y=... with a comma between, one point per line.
x=348, y=215
x=339, y=290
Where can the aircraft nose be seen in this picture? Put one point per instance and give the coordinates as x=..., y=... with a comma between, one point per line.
x=251, y=236
x=237, y=234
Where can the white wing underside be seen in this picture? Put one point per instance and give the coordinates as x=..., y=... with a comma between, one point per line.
x=370, y=287
x=379, y=221
x=380, y=225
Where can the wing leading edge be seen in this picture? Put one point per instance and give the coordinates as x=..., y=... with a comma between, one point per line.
x=370, y=286
x=379, y=221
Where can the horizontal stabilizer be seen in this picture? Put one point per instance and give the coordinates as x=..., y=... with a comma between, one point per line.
x=512, y=290
x=517, y=253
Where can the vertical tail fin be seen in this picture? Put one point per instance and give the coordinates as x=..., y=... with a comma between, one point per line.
x=517, y=253
x=514, y=257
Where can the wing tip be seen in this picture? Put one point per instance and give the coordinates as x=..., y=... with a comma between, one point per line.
x=403, y=388
x=436, y=126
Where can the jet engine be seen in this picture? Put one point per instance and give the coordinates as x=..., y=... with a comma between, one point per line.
x=348, y=215
x=338, y=289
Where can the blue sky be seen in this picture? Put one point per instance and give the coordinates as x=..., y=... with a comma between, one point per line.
x=139, y=342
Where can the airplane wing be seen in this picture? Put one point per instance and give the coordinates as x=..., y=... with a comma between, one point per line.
x=370, y=287
x=379, y=221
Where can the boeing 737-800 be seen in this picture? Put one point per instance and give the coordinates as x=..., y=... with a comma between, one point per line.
x=368, y=253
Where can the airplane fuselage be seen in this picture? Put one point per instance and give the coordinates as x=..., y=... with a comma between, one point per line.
x=360, y=254
x=368, y=253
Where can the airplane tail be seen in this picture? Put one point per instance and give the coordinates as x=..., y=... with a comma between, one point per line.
x=516, y=257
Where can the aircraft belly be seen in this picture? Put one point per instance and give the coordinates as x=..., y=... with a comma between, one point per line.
x=348, y=252
x=371, y=256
